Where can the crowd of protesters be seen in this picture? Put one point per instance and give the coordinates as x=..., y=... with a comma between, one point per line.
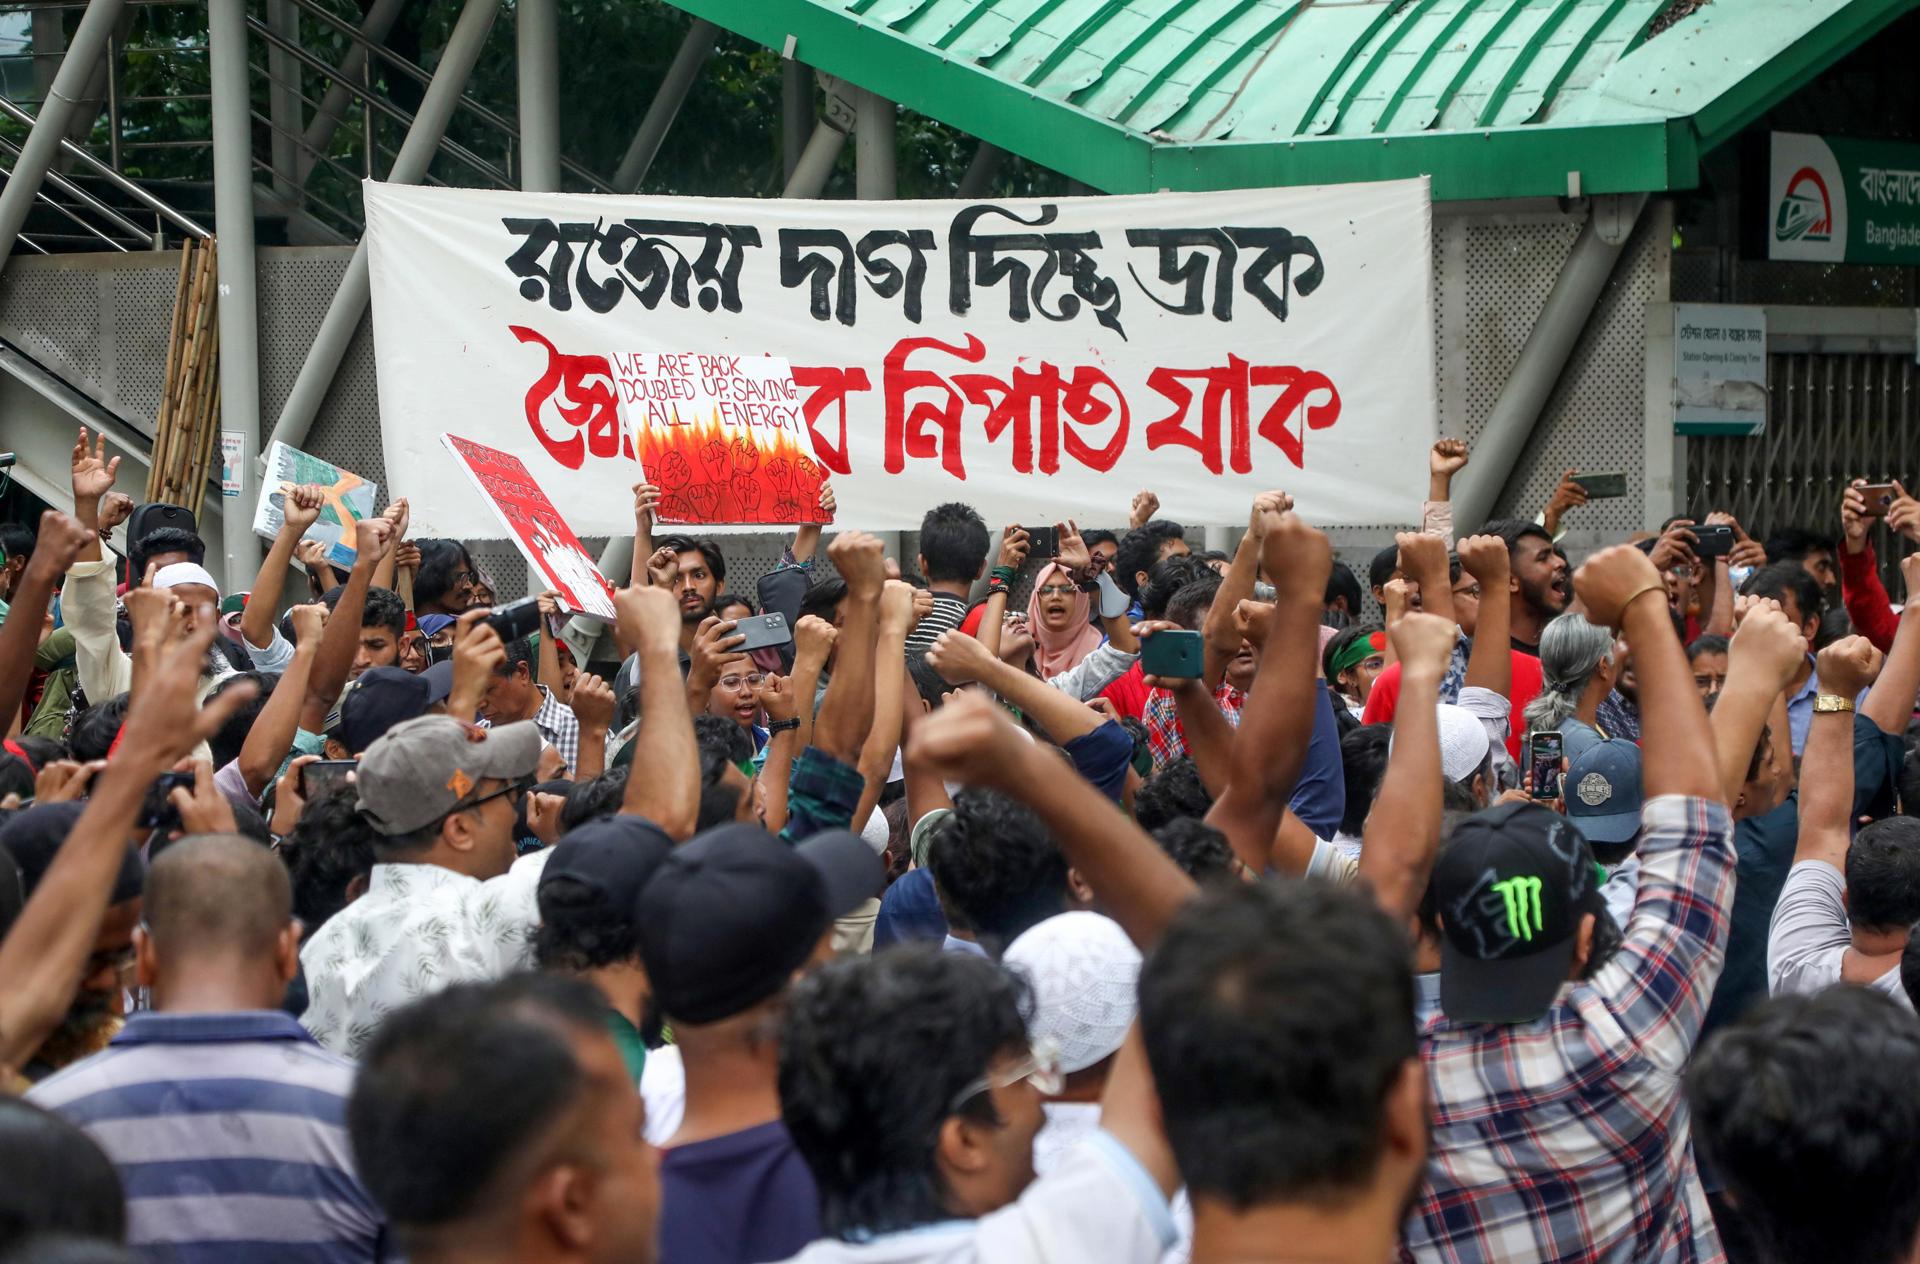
x=1562, y=914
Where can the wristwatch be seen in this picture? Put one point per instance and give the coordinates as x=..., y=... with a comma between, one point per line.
x=782, y=726
x=1828, y=703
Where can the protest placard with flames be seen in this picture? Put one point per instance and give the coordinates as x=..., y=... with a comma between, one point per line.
x=721, y=436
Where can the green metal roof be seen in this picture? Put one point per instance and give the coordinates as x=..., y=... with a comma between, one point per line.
x=1492, y=98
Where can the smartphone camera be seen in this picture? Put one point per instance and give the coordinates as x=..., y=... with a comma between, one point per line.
x=1544, y=753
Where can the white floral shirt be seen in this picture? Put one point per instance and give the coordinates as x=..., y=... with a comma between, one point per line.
x=419, y=928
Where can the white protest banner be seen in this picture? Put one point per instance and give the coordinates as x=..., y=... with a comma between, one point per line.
x=1038, y=359
x=532, y=523
x=349, y=498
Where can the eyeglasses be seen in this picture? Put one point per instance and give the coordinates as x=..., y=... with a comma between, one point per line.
x=1682, y=571
x=1058, y=590
x=1041, y=1066
x=732, y=683
x=518, y=789
x=1471, y=592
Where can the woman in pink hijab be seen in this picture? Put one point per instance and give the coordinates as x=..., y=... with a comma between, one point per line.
x=1057, y=617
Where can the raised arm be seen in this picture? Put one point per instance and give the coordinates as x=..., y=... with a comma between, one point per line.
x=271, y=736
x=646, y=498
x=971, y=741
x=1276, y=722
x=846, y=713
x=806, y=537
x=665, y=784
x=1826, y=773
x=993, y=612
x=477, y=652
x=1490, y=661
x=962, y=660
x=813, y=641
x=1567, y=495
x=925, y=790
x=61, y=540
x=341, y=640
x=1077, y=558
x=1402, y=835
x=593, y=704
x=1221, y=632
x=45, y=951
x=1621, y=590
x=549, y=651
x=1762, y=658
x=1447, y=458
x=384, y=569
x=1890, y=705
x=301, y=509
x=889, y=677
x=1423, y=559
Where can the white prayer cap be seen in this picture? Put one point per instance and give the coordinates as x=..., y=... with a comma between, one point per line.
x=185, y=573
x=1084, y=972
x=1463, y=742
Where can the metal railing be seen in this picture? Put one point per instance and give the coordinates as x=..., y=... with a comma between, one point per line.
x=357, y=141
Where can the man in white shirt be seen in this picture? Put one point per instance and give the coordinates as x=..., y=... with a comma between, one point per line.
x=1847, y=906
x=911, y=1088
x=445, y=903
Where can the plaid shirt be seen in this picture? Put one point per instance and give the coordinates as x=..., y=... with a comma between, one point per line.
x=822, y=794
x=1567, y=1139
x=559, y=726
x=1165, y=737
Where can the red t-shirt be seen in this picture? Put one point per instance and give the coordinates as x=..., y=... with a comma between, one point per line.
x=1129, y=693
x=1385, y=696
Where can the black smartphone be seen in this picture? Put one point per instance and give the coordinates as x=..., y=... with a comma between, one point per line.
x=1879, y=498
x=516, y=619
x=323, y=775
x=1544, y=753
x=1598, y=486
x=762, y=630
x=1715, y=539
x=156, y=810
x=1175, y=655
x=1042, y=542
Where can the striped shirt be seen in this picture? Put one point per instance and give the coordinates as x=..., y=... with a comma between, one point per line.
x=229, y=1133
x=948, y=613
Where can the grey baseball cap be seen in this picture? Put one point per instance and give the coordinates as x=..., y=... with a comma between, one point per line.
x=422, y=769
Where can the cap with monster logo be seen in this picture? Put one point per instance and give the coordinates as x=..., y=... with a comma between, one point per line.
x=1510, y=888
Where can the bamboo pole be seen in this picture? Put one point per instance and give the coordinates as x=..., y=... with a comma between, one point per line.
x=156, y=469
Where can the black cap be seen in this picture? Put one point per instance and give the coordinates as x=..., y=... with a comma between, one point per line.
x=380, y=699
x=732, y=914
x=614, y=857
x=33, y=835
x=1510, y=887
x=439, y=678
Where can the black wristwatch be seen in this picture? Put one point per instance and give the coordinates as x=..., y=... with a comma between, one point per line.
x=782, y=726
